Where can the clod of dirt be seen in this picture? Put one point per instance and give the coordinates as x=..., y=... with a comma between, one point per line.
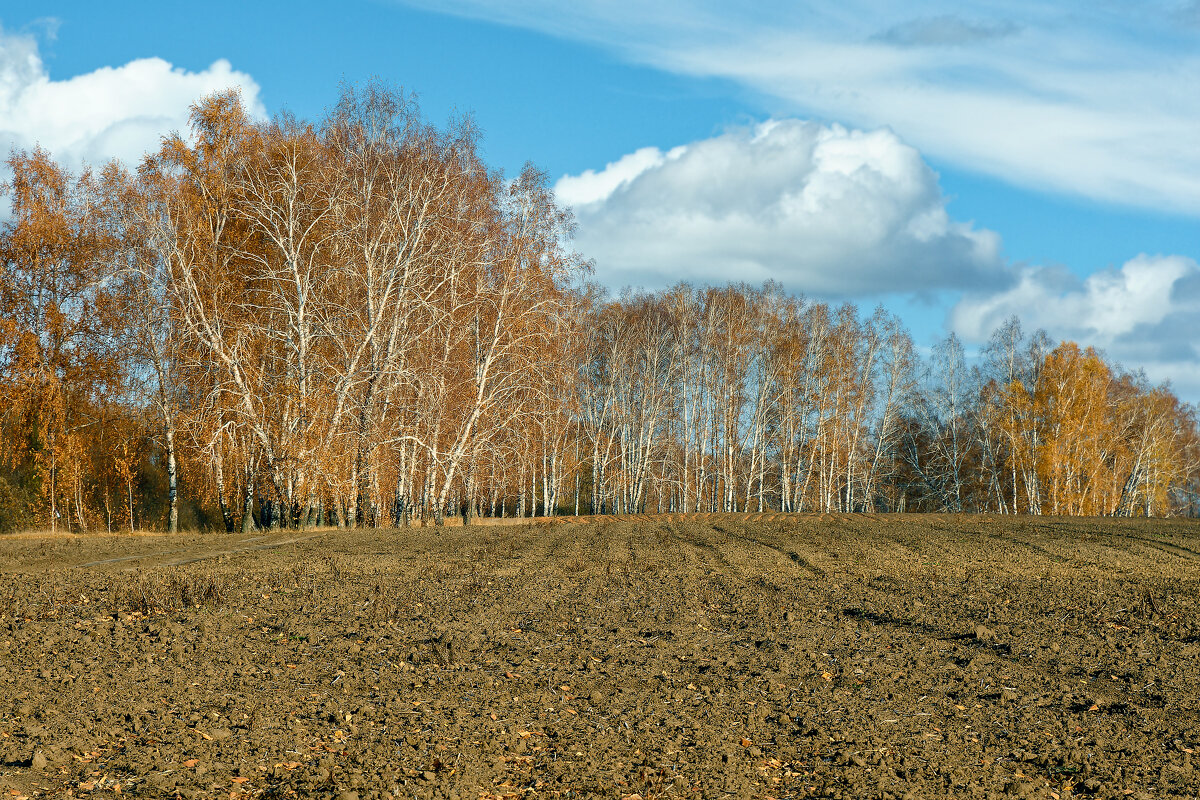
x=663, y=657
x=443, y=648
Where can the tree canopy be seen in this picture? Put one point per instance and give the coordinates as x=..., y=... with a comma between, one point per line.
x=357, y=321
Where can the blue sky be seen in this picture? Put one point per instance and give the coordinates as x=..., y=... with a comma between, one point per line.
x=956, y=161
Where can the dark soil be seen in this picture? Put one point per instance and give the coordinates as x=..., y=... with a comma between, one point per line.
x=727, y=656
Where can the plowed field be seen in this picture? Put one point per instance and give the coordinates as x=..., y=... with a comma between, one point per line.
x=696, y=657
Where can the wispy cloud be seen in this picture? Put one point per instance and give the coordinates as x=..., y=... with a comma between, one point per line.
x=1189, y=13
x=1091, y=99
x=945, y=30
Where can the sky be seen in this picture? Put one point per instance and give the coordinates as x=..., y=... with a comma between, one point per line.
x=957, y=163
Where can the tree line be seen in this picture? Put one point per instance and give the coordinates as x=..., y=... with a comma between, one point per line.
x=358, y=322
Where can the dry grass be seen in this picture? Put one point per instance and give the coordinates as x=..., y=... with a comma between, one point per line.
x=46, y=533
x=148, y=594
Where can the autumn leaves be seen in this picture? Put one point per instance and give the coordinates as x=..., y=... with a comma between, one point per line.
x=357, y=322
x=319, y=323
x=1082, y=440
x=742, y=399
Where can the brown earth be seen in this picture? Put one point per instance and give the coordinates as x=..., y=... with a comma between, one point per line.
x=706, y=657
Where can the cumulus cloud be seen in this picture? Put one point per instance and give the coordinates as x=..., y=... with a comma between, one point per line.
x=112, y=112
x=1145, y=313
x=823, y=209
x=591, y=186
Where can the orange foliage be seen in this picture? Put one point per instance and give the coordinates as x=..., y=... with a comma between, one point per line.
x=356, y=320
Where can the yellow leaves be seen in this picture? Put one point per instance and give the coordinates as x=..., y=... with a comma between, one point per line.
x=347, y=311
x=1078, y=436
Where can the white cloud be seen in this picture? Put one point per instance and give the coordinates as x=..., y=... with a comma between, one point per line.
x=822, y=209
x=1146, y=313
x=1092, y=99
x=111, y=112
x=591, y=186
